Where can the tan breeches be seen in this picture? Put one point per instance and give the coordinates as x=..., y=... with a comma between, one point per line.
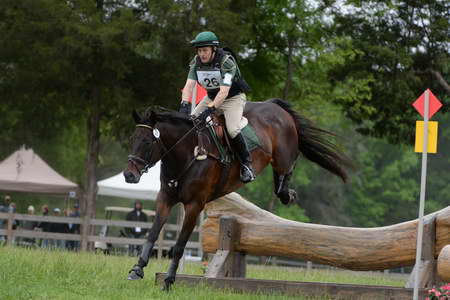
x=232, y=108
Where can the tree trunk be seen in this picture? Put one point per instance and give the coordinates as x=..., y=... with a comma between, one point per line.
x=290, y=69
x=271, y=205
x=93, y=149
x=262, y=233
x=441, y=80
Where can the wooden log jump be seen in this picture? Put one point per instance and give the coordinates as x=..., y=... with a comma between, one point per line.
x=443, y=264
x=293, y=288
x=263, y=233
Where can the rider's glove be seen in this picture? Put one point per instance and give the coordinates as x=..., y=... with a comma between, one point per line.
x=206, y=113
x=185, y=107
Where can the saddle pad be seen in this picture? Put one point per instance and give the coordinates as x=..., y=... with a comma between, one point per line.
x=250, y=137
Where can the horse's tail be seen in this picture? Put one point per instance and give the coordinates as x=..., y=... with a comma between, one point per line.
x=314, y=145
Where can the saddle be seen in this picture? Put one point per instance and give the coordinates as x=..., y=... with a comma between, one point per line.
x=215, y=141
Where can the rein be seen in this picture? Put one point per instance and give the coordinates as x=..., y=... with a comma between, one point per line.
x=134, y=158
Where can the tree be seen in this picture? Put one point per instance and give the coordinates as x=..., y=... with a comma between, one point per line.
x=402, y=49
x=93, y=61
x=77, y=69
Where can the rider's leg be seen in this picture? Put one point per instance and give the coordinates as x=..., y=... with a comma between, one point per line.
x=239, y=144
x=201, y=106
x=233, y=109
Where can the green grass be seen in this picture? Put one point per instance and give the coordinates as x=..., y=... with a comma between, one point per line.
x=41, y=274
x=327, y=275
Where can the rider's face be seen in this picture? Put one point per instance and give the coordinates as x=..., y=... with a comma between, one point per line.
x=205, y=54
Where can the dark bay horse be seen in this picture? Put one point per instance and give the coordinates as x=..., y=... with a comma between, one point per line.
x=171, y=137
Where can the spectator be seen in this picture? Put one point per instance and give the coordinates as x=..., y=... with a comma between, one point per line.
x=44, y=226
x=13, y=210
x=136, y=232
x=74, y=228
x=29, y=225
x=58, y=228
x=6, y=203
x=4, y=208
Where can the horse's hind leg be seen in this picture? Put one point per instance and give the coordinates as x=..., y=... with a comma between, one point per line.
x=192, y=211
x=285, y=152
x=282, y=190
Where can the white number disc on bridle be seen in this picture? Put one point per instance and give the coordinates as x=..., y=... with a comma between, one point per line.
x=156, y=133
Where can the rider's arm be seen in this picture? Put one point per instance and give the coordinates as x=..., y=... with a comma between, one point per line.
x=190, y=82
x=221, y=96
x=228, y=70
x=187, y=90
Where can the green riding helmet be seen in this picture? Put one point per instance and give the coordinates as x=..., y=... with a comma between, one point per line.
x=205, y=38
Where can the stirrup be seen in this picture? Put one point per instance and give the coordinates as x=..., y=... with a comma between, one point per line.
x=200, y=153
x=250, y=173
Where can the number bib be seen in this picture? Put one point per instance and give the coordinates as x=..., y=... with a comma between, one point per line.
x=210, y=80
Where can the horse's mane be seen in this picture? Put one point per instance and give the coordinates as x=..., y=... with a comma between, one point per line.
x=161, y=114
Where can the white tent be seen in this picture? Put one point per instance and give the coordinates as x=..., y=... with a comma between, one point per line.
x=146, y=189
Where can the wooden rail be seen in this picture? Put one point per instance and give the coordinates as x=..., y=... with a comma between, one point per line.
x=235, y=227
x=83, y=237
x=380, y=248
x=293, y=288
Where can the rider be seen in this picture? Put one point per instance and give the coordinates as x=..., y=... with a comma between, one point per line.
x=217, y=71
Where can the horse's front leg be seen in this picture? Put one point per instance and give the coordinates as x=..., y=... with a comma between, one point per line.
x=163, y=208
x=192, y=211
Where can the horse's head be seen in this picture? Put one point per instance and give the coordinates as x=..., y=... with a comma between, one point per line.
x=146, y=147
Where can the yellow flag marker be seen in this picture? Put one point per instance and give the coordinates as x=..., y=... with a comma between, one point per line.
x=432, y=136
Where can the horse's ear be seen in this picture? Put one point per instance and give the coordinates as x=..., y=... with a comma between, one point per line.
x=152, y=117
x=137, y=118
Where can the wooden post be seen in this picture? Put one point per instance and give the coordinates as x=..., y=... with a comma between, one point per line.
x=427, y=270
x=180, y=220
x=160, y=243
x=200, y=234
x=226, y=262
x=9, y=230
x=85, y=233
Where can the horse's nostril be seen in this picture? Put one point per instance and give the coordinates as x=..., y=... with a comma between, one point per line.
x=128, y=176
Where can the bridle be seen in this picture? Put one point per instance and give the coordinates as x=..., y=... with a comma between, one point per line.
x=134, y=159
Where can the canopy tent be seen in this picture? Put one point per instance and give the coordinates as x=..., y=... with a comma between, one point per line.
x=25, y=171
x=146, y=189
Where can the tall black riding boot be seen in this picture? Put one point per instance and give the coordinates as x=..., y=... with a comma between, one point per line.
x=240, y=146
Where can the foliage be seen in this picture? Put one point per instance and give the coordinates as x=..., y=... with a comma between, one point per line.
x=402, y=49
x=441, y=293
x=385, y=187
x=351, y=66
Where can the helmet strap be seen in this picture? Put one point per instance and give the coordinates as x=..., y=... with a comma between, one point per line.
x=213, y=53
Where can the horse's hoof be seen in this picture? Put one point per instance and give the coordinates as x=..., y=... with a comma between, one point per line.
x=292, y=196
x=136, y=273
x=288, y=197
x=168, y=282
